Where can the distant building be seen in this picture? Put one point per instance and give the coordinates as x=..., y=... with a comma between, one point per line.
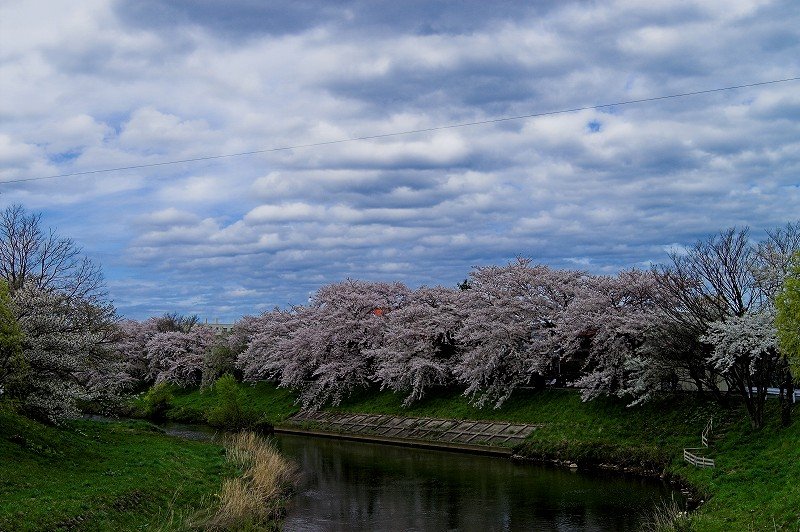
x=218, y=327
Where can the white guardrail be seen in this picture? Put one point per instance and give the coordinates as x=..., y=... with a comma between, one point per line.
x=777, y=391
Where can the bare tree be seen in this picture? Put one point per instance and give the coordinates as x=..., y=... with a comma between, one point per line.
x=711, y=282
x=773, y=257
x=176, y=323
x=30, y=254
x=716, y=293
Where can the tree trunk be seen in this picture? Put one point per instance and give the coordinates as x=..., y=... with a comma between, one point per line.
x=753, y=400
x=754, y=412
x=786, y=396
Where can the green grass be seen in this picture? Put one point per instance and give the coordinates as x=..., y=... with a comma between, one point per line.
x=756, y=484
x=272, y=404
x=91, y=475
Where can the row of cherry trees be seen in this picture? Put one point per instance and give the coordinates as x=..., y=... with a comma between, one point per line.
x=705, y=318
x=512, y=326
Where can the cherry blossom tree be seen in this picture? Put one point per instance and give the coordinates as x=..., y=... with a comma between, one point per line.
x=349, y=321
x=612, y=316
x=243, y=331
x=178, y=357
x=131, y=345
x=66, y=347
x=746, y=353
x=419, y=347
x=774, y=258
x=514, y=315
x=266, y=355
x=326, y=349
x=172, y=348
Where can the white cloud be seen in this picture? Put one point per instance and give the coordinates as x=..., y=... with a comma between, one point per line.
x=286, y=212
x=86, y=87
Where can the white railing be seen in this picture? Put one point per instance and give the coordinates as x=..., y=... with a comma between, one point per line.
x=695, y=460
x=707, y=432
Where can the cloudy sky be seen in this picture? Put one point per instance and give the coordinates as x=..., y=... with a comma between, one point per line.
x=100, y=84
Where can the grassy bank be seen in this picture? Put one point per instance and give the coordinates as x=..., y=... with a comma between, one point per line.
x=264, y=400
x=101, y=476
x=755, y=485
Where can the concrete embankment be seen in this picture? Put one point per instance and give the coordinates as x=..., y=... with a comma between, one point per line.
x=482, y=437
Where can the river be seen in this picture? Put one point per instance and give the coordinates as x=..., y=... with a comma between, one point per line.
x=356, y=486
x=353, y=486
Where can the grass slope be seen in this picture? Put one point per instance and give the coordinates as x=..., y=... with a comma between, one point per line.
x=756, y=484
x=272, y=404
x=101, y=476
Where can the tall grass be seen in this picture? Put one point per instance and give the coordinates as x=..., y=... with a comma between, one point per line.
x=669, y=517
x=256, y=499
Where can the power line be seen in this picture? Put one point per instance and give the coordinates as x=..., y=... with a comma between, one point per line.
x=400, y=133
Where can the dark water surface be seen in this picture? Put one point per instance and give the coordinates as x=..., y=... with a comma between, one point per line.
x=354, y=486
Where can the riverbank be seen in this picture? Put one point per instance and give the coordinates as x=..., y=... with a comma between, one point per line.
x=755, y=484
x=90, y=475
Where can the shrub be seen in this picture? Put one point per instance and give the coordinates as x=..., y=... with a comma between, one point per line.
x=13, y=366
x=230, y=412
x=157, y=401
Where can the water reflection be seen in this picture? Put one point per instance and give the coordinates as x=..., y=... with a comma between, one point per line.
x=352, y=486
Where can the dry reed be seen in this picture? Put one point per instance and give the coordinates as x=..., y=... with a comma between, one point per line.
x=256, y=498
x=668, y=517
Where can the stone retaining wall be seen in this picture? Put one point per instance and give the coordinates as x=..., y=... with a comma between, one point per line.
x=450, y=431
